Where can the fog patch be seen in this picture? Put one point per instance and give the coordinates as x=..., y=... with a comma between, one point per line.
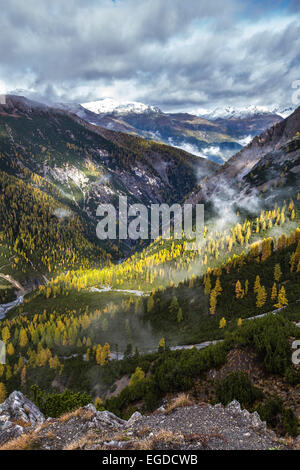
x=62, y=213
x=245, y=140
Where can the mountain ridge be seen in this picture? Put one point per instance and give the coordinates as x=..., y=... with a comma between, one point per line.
x=216, y=140
x=233, y=172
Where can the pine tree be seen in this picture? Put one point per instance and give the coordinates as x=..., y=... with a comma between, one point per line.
x=98, y=403
x=5, y=334
x=99, y=354
x=257, y=284
x=277, y=272
x=179, y=316
x=213, y=302
x=23, y=338
x=218, y=287
x=281, y=299
x=10, y=349
x=207, y=284
x=274, y=291
x=261, y=297
x=161, y=344
x=105, y=356
x=23, y=376
x=2, y=392
x=137, y=376
x=239, y=291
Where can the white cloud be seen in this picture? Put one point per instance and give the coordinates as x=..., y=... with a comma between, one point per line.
x=173, y=54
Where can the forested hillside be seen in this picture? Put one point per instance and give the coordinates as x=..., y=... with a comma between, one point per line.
x=55, y=170
x=97, y=326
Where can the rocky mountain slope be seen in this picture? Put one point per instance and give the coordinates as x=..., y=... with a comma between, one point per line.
x=66, y=151
x=194, y=427
x=269, y=163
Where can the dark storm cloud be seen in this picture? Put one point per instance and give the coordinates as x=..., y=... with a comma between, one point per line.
x=170, y=53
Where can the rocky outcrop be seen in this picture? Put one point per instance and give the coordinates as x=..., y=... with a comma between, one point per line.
x=16, y=413
x=104, y=419
x=17, y=407
x=203, y=426
x=200, y=426
x=9, y=430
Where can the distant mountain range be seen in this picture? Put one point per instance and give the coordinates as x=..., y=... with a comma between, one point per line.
x=230, y=112
x=110, y=105
x=215, y=136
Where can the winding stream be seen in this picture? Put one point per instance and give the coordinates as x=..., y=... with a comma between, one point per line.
x=4, y=308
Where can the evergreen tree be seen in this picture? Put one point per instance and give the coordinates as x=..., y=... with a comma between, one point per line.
x=282, y=300
x=257, y=284
x=261, y=297
x=274, y=291
x=138, y=375
x=2, y=392
x=179, y=316
x=277, y=272
x=239, y=291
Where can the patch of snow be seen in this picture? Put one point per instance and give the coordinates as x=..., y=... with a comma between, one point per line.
x=230, y=112
x=110, y=105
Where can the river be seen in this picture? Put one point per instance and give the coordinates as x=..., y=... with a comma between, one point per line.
x=4, y=308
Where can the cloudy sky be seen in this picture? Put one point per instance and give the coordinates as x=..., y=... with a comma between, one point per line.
x=176, y=54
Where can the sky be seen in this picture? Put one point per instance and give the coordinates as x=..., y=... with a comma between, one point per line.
x=180, y=55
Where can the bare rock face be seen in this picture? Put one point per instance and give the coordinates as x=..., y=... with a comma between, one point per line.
x=9, y=430
x=17, y=410
x=17, y=407
x=135, y=417
x=103, y=418
x=253, y=418
x=108, y=419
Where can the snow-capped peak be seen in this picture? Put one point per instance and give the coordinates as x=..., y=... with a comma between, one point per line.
x=284, y=112
x=229, y=112
x=109, y=105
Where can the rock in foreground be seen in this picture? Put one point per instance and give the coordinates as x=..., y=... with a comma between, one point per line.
x=200, y=426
